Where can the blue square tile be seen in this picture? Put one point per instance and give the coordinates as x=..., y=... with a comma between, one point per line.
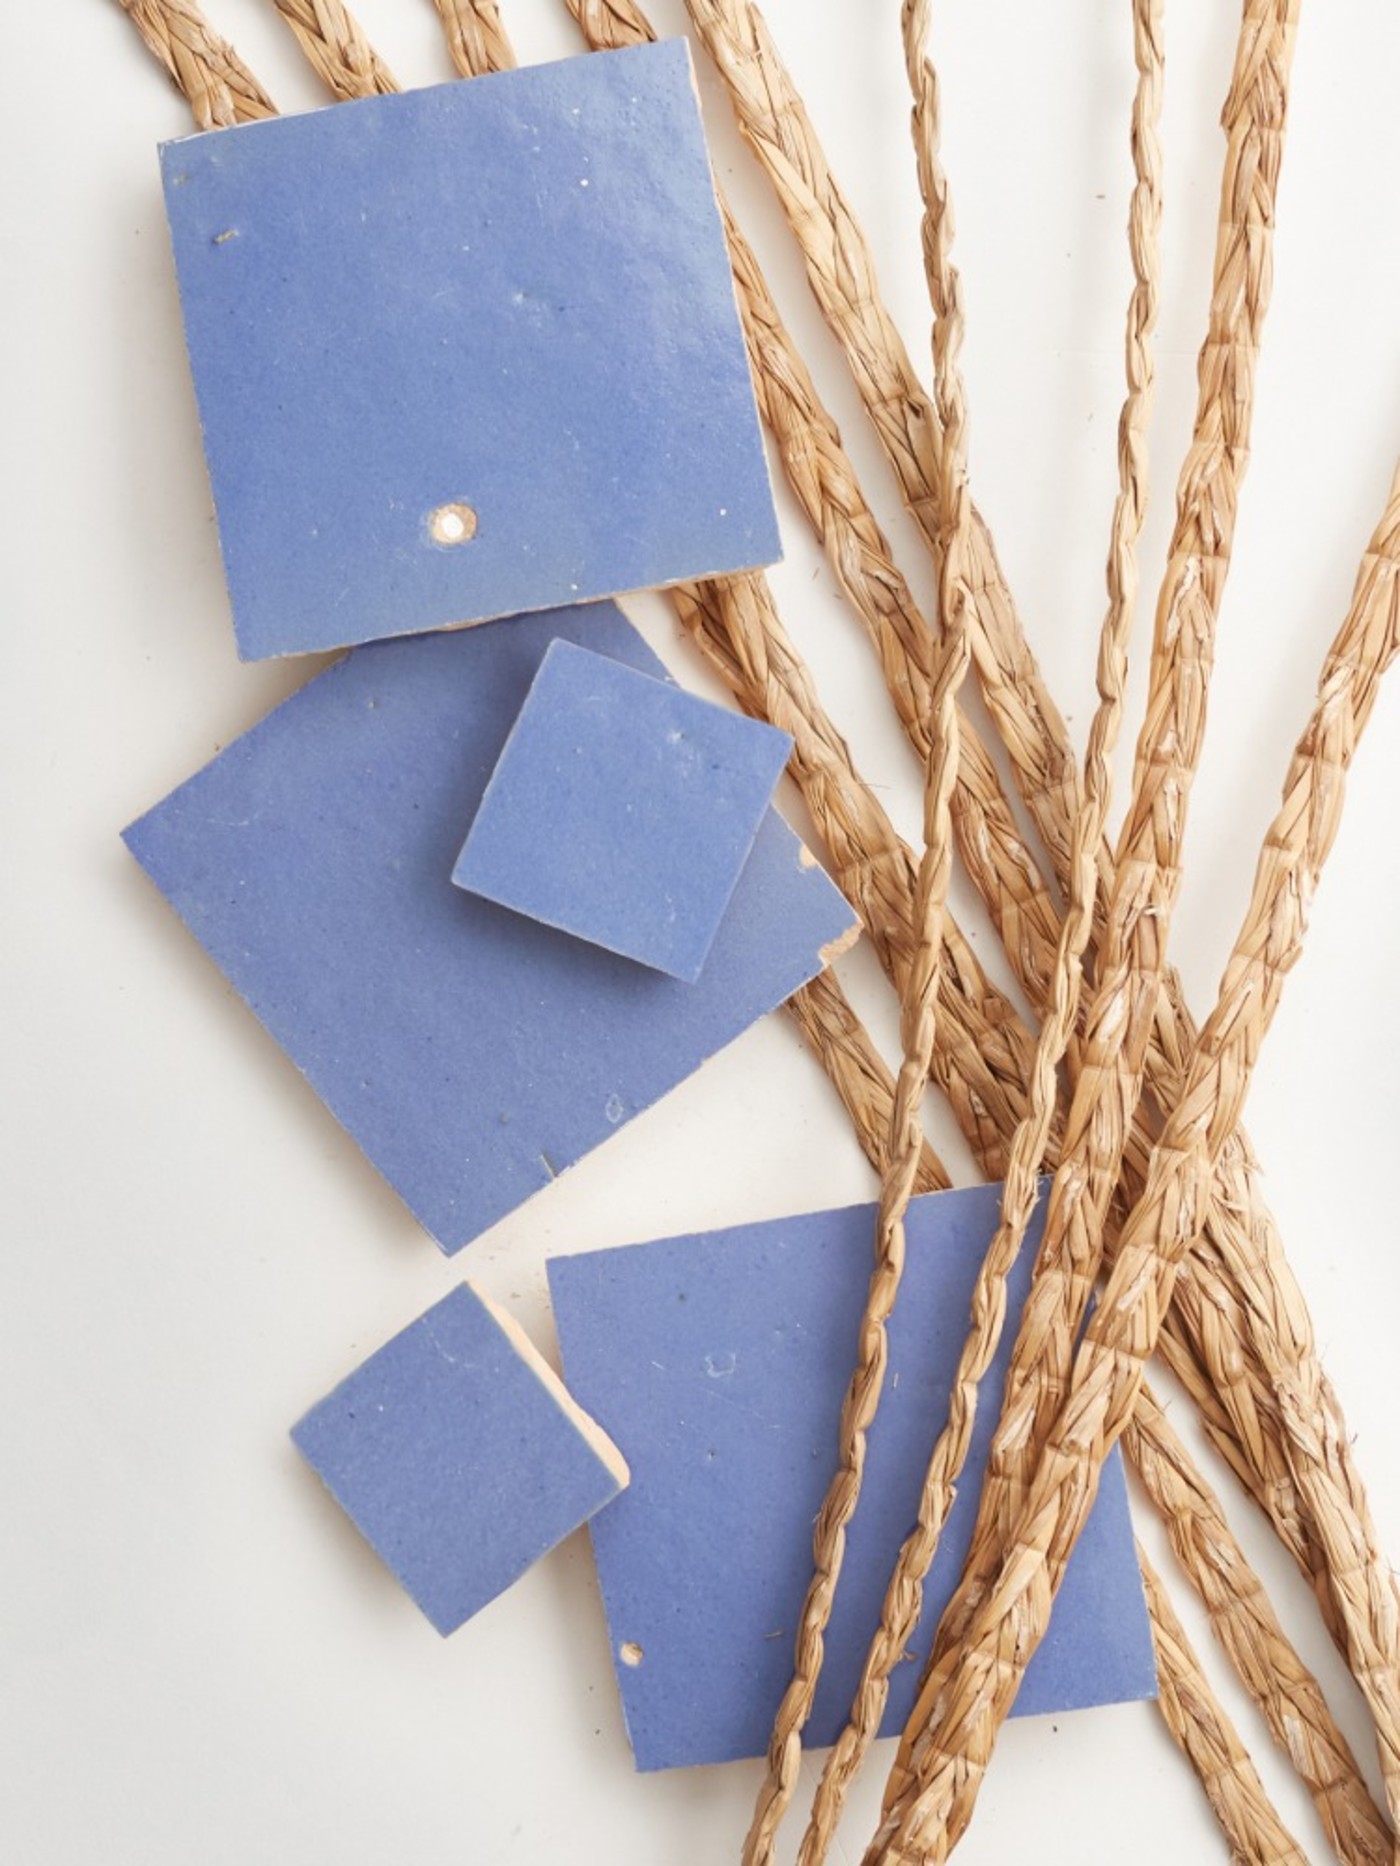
x=474, y=1055
x=467, y=351
x=719, y=1362
x=459, y=1456
x=622, y=810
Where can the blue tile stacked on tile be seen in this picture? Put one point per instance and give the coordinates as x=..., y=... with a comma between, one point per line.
x=444, y=345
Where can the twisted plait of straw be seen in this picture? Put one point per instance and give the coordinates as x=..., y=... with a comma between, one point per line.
x=337, y=48
x=903, y=1601
x=1243, y=1620
x=971, y=1690
x=1202, y=1728
x=207, y=71
x=1247, y=1424
x=476, y=38
x=1132, y=953
x=920, y=994
x=1241, y=1613
x=1001, y=864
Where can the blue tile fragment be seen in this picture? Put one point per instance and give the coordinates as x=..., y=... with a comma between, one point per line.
x=471, y=1053
x=459, y=1456
x=718, y=1363
x=622, y=810
x=467, y=351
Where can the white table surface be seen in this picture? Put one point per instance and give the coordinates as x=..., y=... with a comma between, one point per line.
x=198, y=1660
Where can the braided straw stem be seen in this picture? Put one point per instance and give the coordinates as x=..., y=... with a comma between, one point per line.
x=918, y=1020
x=973, y=1684
x=1243, y=1620
x=1249, y=1427
x=998, y=859
x=207, y=71
x=476, y=39
x=1210, y=1742
x=1242, y=1615
x=1132, y=951
x=903, y=1601
x=337, y=48
x=1230, y=1382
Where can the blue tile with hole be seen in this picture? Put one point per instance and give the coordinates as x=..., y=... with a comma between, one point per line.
x=467, y=351
x=622, y=810
x=459, y=1455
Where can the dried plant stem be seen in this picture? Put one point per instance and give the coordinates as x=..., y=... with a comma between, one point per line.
x=207, y=71
x=1210, y=1742
x=1244, y=1622
x=1218, y=1569
x=918, y=1005
x=970, y=1691
x=336, y=47
x=903, y=1601
x=839, y=268
x=998, y=859
x=476, y=39
x=1245, y=1423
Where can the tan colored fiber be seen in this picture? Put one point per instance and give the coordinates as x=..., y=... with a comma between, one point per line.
x=218, y=86
x=1246, y=1425
x=1218, y=1569
x=336, y=48
x=476, y=38
x=974, y=1680
x=1243, y=1620
x=1210, y=1742
x=903, y=1601
x=772, y=116
x=1001, y=864
x=919, y=996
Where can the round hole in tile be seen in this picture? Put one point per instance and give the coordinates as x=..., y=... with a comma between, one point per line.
x=454, y=523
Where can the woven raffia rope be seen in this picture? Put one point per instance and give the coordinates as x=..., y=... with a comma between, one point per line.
x=918, y=1004
x=1210, y=1742
x=1250, y=1428
x=476, y=38
x=208, y=72
x=1248, y=1629
x=336, y=47
x=903, y=1602
x=974, y=1682
x=1218, y=1570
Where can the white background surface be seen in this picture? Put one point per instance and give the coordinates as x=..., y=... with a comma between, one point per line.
x=200, y=1661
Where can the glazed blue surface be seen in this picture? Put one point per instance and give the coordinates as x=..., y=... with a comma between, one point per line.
x=717, y=1363
x=452, y=1458
x=472, y=1053
x=511, y=293
x=622, y=810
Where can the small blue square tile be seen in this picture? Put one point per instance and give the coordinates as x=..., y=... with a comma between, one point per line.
x=467, y=351
x=622, y=810
x=459, y=1457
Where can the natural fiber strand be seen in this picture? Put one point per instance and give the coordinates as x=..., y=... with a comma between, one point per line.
x=207, y=71
x=1243, y=1620
x=1210, y=1742
x=1246, y=1428
x=1242, y=1616
x=337, y=48
x=476, y=39
x=772, y=116
x=903, y=1601
x=998, y=859
x=974, y=1682
x=918, y=1006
